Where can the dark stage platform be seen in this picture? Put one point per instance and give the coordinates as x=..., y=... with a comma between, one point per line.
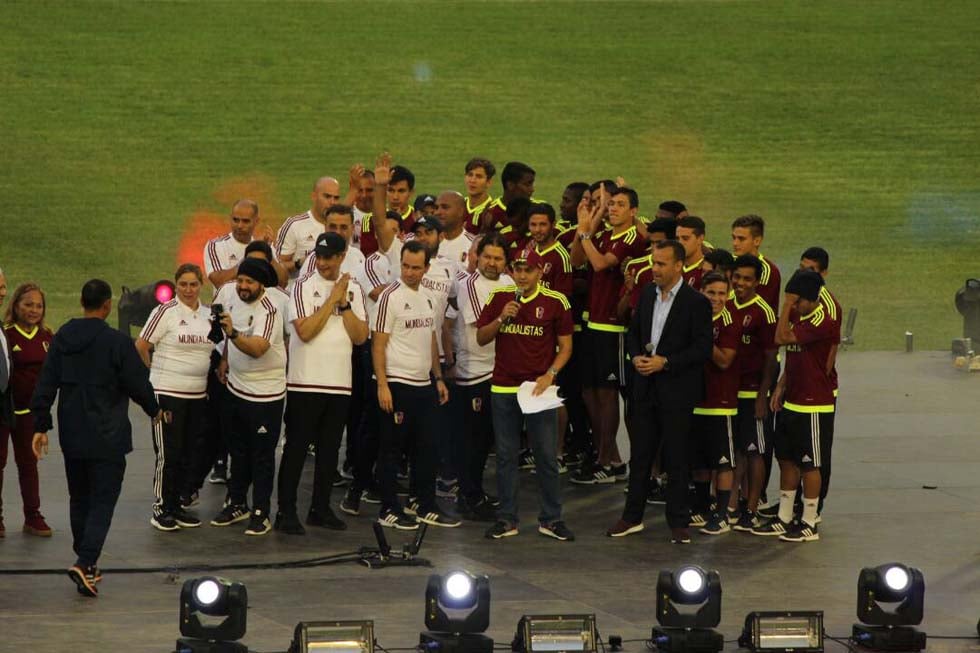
x=905, y=421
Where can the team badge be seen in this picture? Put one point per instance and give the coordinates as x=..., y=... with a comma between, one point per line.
x=45, y=345
x=690, y=281
x=715, y=332
x=462, y=257
x=746, y=320
x=477, y=404
x=250, y=320
x=350, y=296
x=547, y=268
x=399, y=417
x=539, y=312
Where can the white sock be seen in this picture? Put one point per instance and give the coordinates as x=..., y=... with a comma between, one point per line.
x=810, y=511
x=786, y=499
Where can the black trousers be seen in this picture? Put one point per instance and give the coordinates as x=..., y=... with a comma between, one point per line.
x=367, y=448
x=570, y=382
x=212, y=443
x=665, y=428
x=472, y=425
x=254, y=433
x=413, y=421
x=93, y=490
x=358, y=410
x=311, y=418
x=826, y=448
x=173, y=444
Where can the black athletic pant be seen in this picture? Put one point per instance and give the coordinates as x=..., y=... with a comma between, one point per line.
x=317, y=418
x=357, y=412
x=173, y=444
x=367, y=450
x=665, y=428
x=253, y=436
x=570, y=381
x=212, y=443
x=93, y=490
x=471, y=404
x=414, y=421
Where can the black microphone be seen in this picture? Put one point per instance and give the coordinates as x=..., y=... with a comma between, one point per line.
x=518, y=293
x=649, y=349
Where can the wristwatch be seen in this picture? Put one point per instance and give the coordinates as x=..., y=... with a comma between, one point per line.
x=345, y=307
x=553, y=372
x=234, y=334
x=585, y=236
x=666, y=367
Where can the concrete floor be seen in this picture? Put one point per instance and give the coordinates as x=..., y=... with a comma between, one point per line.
x=905, y=421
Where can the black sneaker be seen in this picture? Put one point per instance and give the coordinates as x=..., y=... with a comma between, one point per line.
x=399, y=521
x=218, y=475
x=438, y=518
x=746, y=522
x=311, y=449
x=190, y=501
x=339, y=480
x=288, y=523
x=258, y=524
x=83, y=577
x=185, y=519
x=231, y=514
x=480, y=510
x=771, y=528
x=326, y=519
x=769, y=511
x=351, y=503
x=621, y=471
x=717, y=525
x=557, y=530
x=492, y=500
x=501, y=530
x=525, y=460
x=697, y=520
x=657, y=495
x=164, y=522
x=800, y=532
x=412, y=506
x=402, y=490
x=371, y=496
x=448, y=489
x=598, y=475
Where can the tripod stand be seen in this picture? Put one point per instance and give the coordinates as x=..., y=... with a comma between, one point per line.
x=382, y=556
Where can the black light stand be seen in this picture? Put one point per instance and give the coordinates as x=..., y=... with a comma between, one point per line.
x=382, y=556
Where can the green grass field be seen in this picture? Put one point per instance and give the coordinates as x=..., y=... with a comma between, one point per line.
x=127, y=126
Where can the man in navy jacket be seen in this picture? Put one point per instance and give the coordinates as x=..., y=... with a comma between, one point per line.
x=96, y=371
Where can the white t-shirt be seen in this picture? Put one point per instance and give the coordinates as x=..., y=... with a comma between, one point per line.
x=439, y=284
x=181, y=349
x=375, y=272
x=324, y=363
x=259, y=379
x=458, y=248
x=474, y=362
x=297, y=238
x=408, y=317
x=223, y=253
x=278, y=297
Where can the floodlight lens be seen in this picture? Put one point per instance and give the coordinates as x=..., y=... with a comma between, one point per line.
x=459, y=585
x=897, y=578
x=163, y=292
x=691, y=580
x=207, y=592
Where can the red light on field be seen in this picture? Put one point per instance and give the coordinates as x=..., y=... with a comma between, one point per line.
x=163, y=292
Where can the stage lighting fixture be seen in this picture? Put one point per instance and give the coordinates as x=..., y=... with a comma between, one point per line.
x=212, y=616
x=890, y=629
x=689, y=630
x=333, y=636
x=555, y=632
x=457, y=611
x=783, y=631
x=135, y=305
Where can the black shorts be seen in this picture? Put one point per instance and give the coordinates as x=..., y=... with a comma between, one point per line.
x=752, y=436
x=604, y=358
x=798, y=436
x=712, y=442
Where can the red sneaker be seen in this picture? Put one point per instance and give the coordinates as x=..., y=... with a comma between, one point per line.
x=35, y=525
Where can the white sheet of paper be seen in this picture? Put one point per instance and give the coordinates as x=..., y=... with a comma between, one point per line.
x=545, y=401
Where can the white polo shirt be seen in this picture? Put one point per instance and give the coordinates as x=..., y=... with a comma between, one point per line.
x=261, y=379
x=279, y=298
x=474, y=362
x=375, y=272
x=297, y=236
x=439, y=284
x=458, y=248
x=352, y=262
x=324, y=363
x=409, y=318
x=223, y=253
x=181, y=349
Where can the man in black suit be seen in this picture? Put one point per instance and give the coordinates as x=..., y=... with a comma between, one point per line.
x=669, y=340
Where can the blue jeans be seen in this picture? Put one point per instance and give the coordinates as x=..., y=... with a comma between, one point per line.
x=542, y=435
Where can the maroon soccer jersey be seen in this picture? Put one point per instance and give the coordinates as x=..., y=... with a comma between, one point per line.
x=28, y=349
x=474, y=213
x=556, y=271
x=692, y=274
x=758, y=322
x=495, y=216
x=526, y=346
x=565, y=234
x=809, y=388
x=721, y=386
x=835, y=313
x=641, y=271
x=769, y=283
x=517, y=241
x=606, y=287
x=369, y=239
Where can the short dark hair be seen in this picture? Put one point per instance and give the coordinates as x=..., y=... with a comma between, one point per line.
x=722, y=259
x=818, y=254
x=189, y=267
x=541, y=208
x=368, y=173
x=518, y=210
x=754, y=223
x=514, y=171
x=629, y=193
x=477, y=162
x=260, y=246
x=692, y=222
x=414, y=246
x=666, y=226
x=608, y=183
x=673, y=207
x=401, y=173
x=95, y=293
x=715, y=277
x=578, y=187
x=672, y=244
x=342, y=209
x=748, y=261
x=493, y=239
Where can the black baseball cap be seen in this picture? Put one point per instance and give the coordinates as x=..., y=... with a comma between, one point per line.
x=330, y=244
x=427, y=221
x=424, y=200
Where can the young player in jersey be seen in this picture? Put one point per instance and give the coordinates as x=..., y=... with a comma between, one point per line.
x=711, y=427
x=568, y=212
x=757, y=365
x=748, y=231
x=690, y=233
x=451, y=213
x=174, y=344
x=805, y=397
x=478, y=180
x=556, y=271
x=27, y=341
x=297, y=236
x=517, y=180
x=528, y=324
x=405, y=354
x=638, y=272
x=223, y=254
x=399, y=184
x=604, y=251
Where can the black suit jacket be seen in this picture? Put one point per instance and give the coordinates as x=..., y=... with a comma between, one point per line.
x=686, y=341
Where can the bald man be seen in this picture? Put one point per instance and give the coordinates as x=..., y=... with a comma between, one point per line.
x=451, y=212
x=223, y=254
x=297, y=235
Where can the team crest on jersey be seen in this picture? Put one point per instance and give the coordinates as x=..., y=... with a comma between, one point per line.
x=250, y=320
x=539, y=312
x=477, y=404
x=747, y=320
x=399, y=417
x=547, y=268
x=45, y=345
x=350, y=296
x=716, y=331
x=462, y=257
x=690, y=281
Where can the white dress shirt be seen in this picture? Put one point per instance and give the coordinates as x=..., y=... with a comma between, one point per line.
x=661, y=309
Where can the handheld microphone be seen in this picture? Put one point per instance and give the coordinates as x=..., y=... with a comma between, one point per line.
x=518, y=293
x=649, y=349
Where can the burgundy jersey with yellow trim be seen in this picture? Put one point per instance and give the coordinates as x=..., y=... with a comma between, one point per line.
x=556, y=271
x=692, y=274
x=721, y=385
x=474, y=215
x=769, y=283
x=758, y=322
x=809, y=388
x=606, y=285
x=28, y=349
